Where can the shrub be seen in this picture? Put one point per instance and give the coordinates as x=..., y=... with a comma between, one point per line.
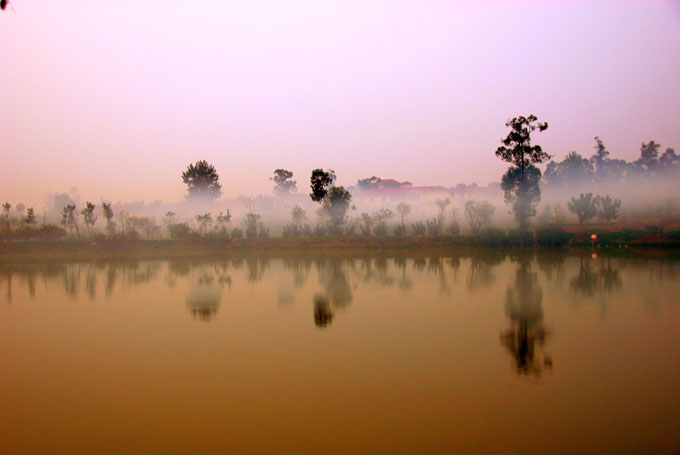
x=419, y=228
x=179, y=231
x=521, y=238
x=493, y=237
x=433, y=226
x=290, y=230
x=400, y=229
x=380, y=229
x=551, y=236
x=262, y=231
x=307, y=230
x=236, y=233
x=454, y=228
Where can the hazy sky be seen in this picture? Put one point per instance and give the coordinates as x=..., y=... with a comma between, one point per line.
x=117, y=98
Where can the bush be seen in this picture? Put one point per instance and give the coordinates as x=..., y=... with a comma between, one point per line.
x=433, y=226
x=291, y=230
x=380, y=229
x=454, y=228
x=351, y=228
x=493, y=237
x=400, y=229
x=236, y=233
x=520, y=238
x=552, y=236
x=178, y=231
x=307, y=230
x=262, y=231
x=319, y=230
x=418, y=228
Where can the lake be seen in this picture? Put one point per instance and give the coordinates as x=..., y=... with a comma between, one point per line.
x=475, y=353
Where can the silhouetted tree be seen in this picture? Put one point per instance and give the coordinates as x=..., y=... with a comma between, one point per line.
x=202, y=181
x=108, y=214
x=584, y=207
x=223, y=220
x=204, y=222
x=573, y=170
x=88, y=216
x=335, y=206
x=442, y=204
x=478, y=214
x=30, y=217
x=520, y=182
x=404, y=210
x=320, y=182
x=69, y=219
x=284, y=184
x=368, y=183
x=608, y=209
x=5, y=213
x=298, y=215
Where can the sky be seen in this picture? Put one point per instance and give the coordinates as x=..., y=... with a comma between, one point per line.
x=117, y=98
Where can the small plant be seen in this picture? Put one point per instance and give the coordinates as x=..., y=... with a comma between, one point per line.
x=400, y=229
x=179, y=231
x=433, y=226
x=30, y=217
x=366, y=223
x=320, y=230
x=236, y=233
x=419, y=228
x=88, y=216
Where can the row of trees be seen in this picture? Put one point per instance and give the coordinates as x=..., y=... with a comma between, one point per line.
x=599, y=169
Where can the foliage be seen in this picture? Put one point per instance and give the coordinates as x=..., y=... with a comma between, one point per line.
x=608, y=208
x=418, y=228
x=69, y=219
x=400, y=229
x=319, y=230
x=223, y=220
x=202, y=181
x=298, y=215
x=335, y=206
x=368, y=183
x=433, y=226
x=493, y=237
x=5, y=213
x=551, y=236
x=320, y=183
x=88, y=216
x=204, y=222
x=366, y=223
x=478, y=214
x=252, y=222
x=404, y=210
x=236, y=233
x=520, y=182
x=30, y=217
x=284, y=184
x=521, y=238
x=584, y=207
x=179, y=231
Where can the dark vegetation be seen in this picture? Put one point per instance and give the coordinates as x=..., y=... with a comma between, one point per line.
x=337, y=225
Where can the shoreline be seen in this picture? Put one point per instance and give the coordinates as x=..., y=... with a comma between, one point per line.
x=328, y=246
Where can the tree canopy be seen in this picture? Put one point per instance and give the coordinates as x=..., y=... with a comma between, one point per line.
x=202, y=181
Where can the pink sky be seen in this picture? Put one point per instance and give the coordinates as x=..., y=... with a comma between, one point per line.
x=117, y=98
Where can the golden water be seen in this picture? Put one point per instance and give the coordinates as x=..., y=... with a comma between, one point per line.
x=467, y=354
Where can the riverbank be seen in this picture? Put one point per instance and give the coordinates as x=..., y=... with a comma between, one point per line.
x=620, y=243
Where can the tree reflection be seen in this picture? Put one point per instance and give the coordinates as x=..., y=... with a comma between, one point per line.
x=204, y=297
x=323, y=314
x=526, y=334
x=481, y=274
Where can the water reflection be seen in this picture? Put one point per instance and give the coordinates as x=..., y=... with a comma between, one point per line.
x=204, y=297
x=323, y=314
x=526, y=336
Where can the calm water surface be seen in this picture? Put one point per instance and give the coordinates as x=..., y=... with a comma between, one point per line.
x=544, y=353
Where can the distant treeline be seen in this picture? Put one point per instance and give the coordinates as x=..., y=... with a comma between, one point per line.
x=600, y=168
